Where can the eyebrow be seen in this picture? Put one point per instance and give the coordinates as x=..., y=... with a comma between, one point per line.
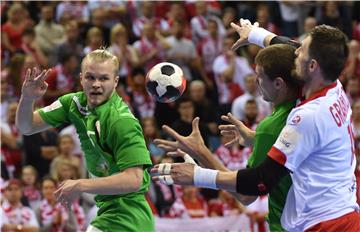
x=100, y=75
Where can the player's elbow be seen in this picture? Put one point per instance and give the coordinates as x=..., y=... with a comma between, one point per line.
x=136, y=182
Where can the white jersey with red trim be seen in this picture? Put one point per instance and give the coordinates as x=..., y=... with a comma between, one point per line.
x=316, y=145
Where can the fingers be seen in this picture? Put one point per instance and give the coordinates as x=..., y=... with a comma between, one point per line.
x=166, y=179
x=172, y=132
x=235, y=26
x=166, y=145
x=167, y=148
x=195, y=124
x=227, y=127
x=175, y=154
x=28, y=74
x=43, y=75
x=231, y=143
x=244, y=22
x=228, y=133
x=164, y=168
x=230, y=118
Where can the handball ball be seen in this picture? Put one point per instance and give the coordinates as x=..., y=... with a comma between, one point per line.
x=165, y=82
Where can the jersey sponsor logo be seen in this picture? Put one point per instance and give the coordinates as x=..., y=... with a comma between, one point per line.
x=83, y=110
x=53, y=106
x=295, y=120
x=287, y=140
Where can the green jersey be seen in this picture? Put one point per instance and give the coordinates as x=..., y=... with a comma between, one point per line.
x=112, y=141
x=266, y=134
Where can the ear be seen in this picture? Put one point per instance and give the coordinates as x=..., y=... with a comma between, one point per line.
x=279, y=83
x=116, y=81
x=313, y=65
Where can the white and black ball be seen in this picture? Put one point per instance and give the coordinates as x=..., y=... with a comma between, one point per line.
x=165, y=82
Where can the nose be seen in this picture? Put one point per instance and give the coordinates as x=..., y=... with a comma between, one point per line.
x=96, y=84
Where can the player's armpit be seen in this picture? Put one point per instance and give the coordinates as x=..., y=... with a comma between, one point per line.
x=260, y=180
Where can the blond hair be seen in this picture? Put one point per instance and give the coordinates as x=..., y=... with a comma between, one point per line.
x=117, y=28
x=101, y=55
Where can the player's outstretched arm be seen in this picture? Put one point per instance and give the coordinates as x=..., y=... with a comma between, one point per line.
x=127, y=181
x=236, y=131
x=251, y=34
x=245, y=200
x=193, y=145
x=33, y=88
x=252, y=181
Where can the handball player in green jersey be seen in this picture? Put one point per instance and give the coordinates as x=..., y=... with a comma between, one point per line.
x=111, y=139
x=274, y=68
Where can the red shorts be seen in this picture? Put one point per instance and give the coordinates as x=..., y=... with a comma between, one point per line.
x=349, y=222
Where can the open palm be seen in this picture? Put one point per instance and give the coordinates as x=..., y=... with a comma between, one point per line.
x=236, y=131
x=34, y=85
x=191, y=144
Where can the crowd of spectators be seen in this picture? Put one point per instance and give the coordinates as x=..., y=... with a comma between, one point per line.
x=197, y=36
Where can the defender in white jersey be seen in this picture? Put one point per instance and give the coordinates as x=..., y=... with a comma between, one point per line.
x=316, y=146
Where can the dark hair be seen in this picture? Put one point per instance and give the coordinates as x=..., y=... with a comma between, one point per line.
x=328, y=47
x=278, y=61
x=49, y=178
x=183, y=99
x=251, y=101
x=137, y=71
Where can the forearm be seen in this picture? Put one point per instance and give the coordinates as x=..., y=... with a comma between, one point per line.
x=248, y=136
x=251, y=181
x=209, y=161
x=24, y=115
x=267, y=40
x=121, y=183
x=256, y=181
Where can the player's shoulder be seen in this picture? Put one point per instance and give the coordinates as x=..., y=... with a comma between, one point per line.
x=118, y=110
x=304, y=114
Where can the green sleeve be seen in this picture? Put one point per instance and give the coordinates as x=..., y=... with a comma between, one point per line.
x=126, y=141
x=262, y=144
x=56, y=113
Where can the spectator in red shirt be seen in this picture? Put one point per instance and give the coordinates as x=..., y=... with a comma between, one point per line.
x=12, y=30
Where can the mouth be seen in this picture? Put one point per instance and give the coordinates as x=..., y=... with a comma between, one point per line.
x=95, y=93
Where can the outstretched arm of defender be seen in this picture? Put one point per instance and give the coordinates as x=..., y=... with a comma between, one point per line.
x=251, y=34
x=251, y=181
x=34, y=87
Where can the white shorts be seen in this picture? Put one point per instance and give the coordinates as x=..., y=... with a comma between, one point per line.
x=92, y=228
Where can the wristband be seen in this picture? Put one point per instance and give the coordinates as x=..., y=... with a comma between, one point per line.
x=205, y=178
x=257, y=36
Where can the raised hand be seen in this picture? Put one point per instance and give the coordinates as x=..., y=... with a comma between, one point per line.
x=34, y=86
x=243, y=29
x=237, y=131
x=191, y=144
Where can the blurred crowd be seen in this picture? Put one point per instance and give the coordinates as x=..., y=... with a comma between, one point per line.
x=196, y=35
